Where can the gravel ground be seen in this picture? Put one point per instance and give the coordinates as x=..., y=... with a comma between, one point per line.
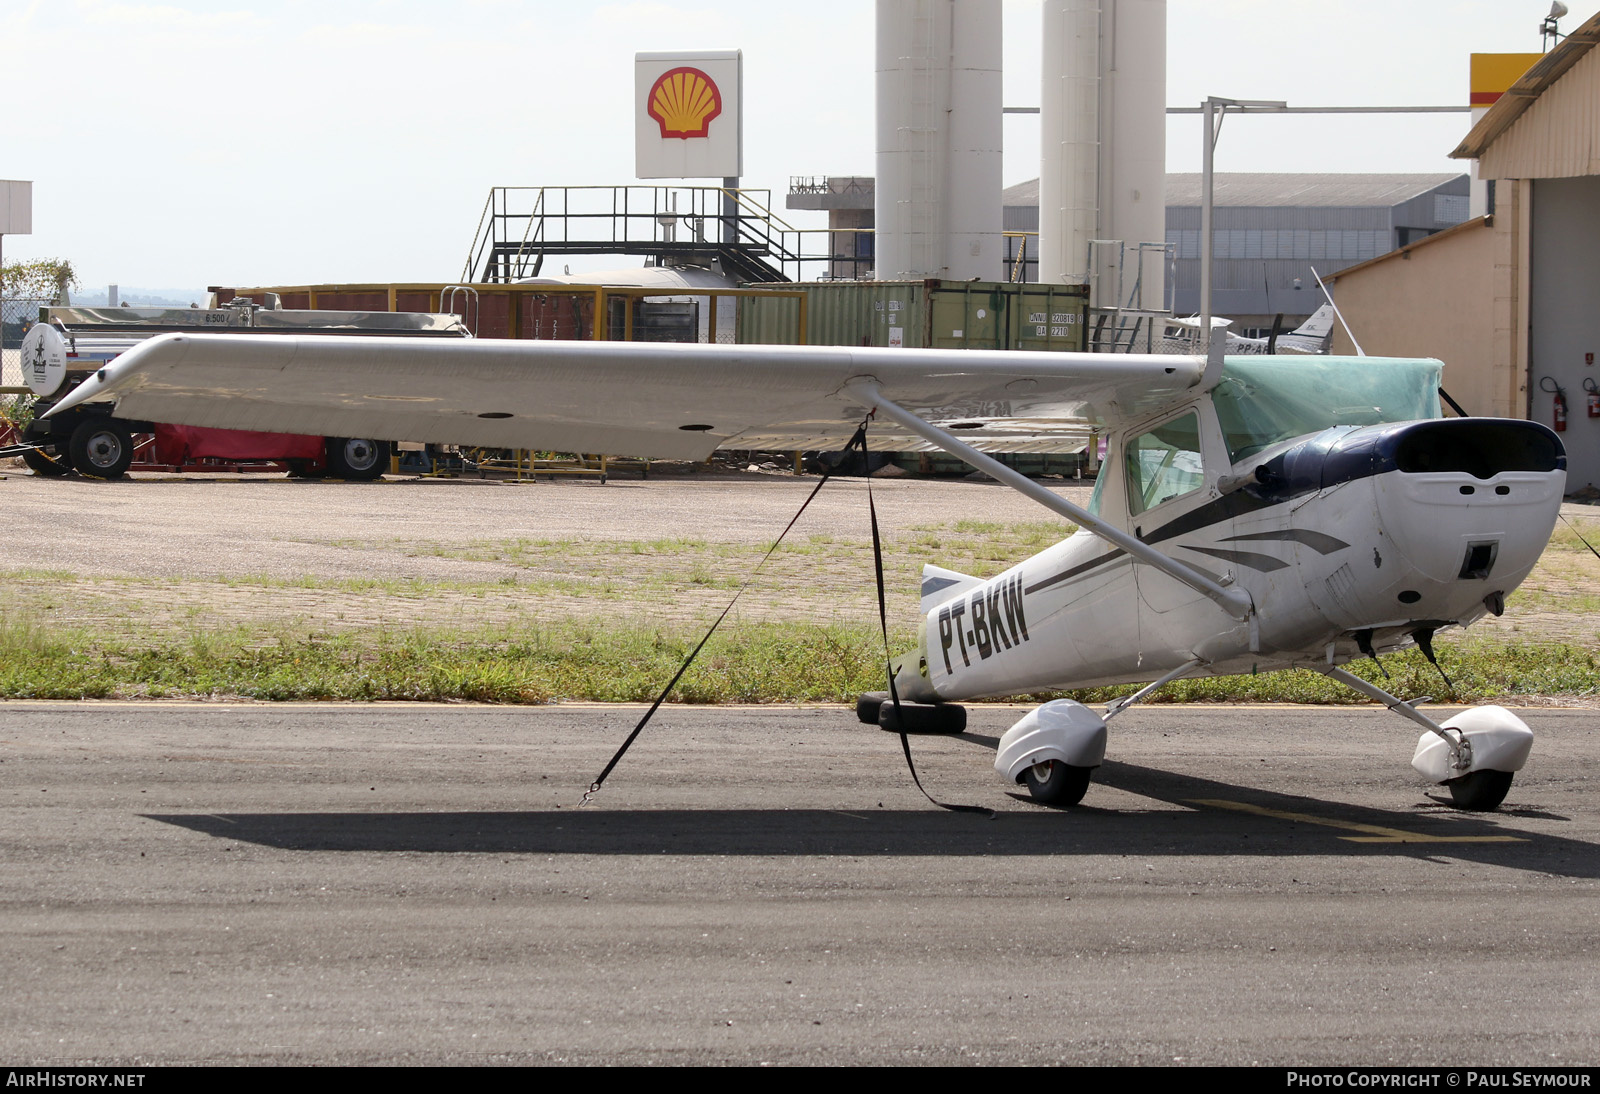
x=157, y=553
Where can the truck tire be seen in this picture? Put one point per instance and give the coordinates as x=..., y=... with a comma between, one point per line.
x=102, y=448
x=42, y=464
x=357, y=459
x=51, y=463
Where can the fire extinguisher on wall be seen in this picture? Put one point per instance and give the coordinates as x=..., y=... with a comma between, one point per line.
x=1560, y=411
x=1594, y=396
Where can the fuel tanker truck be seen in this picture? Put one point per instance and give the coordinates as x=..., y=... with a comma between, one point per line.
x=70, y=344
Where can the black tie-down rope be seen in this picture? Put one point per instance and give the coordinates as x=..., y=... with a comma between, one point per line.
x=1574, y=530
x=860, y=439
x=888, y=658
x=857, y=441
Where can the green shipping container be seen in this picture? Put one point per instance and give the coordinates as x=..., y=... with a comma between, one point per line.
x=933, y=313
x=925, y=314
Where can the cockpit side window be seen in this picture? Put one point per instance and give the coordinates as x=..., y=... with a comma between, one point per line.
x=1164, y=463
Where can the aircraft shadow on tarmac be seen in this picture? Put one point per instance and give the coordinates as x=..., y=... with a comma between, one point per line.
x=1215, y=818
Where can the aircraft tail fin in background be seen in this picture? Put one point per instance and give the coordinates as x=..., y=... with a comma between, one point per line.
x=1319, y=325
x=940, y=585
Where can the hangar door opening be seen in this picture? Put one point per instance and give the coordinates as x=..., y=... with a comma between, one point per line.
x=1563, y=316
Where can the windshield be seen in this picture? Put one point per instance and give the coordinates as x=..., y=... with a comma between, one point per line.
x=1264, y=400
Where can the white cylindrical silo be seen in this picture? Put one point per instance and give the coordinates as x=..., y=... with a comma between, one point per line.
x=1103, y=118
x=1069, y=142
x=1133, y=173
x=939, y=140
x=974, y=246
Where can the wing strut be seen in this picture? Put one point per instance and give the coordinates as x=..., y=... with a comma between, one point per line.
x=1232, y=599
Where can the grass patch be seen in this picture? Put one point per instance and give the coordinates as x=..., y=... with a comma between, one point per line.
x=1570, y=535
x=526, y=633
x=750, y=663
x=1480, y=671
x=745, y=663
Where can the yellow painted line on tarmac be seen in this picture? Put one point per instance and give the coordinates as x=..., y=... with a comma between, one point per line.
x=1376, y=833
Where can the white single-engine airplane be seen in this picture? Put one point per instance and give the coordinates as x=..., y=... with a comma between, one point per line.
x=1182, y=335
x=1253, y=514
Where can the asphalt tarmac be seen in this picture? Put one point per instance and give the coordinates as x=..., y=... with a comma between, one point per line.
x=210, y=883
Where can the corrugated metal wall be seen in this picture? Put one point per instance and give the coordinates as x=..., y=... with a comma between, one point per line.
x=930, y=314
x=1558, y=136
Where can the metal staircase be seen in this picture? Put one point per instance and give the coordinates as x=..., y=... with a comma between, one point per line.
x=1120, y=320
x=521, y=226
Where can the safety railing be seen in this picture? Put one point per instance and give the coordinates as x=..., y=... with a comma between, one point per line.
x=520, y=227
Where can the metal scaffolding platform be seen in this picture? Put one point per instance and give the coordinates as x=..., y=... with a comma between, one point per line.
x=521, y=226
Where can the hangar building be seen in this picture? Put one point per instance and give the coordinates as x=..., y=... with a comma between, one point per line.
x=1271, y=229
x=1507, y=300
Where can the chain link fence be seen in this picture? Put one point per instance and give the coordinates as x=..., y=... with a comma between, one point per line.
x=16, y=315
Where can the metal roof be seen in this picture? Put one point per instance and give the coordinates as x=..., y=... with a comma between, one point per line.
x=1275, y=189
x=1405, y=252
x=1259, y=190
x=1521, y=95
x=1023, y=193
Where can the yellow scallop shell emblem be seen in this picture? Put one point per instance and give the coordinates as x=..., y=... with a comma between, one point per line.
x=683, y=102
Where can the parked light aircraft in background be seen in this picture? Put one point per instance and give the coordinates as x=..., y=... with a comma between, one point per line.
x=1181, y=335
x=1253, y=513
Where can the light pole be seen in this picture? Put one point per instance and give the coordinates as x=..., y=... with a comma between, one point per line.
x=1214, y=110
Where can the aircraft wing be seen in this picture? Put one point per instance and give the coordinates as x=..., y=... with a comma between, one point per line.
x=627, y=398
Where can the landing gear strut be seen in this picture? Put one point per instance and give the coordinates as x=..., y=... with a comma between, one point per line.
x=1475, y=753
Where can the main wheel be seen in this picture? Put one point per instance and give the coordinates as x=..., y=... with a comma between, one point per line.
x=102, y=448
x=1056, y=783
x=357, y=458
x=1480, y=791
x=922, y=718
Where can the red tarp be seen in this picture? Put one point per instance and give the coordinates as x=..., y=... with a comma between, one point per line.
x=178, y=444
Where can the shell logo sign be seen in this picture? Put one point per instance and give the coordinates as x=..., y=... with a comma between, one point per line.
x=683, y=101
x=1493, y=74
x=687, y=117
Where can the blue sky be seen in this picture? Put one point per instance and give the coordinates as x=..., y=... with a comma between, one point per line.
x=227, y=141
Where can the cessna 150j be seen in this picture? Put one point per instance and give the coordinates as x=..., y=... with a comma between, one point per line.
x=1181, y=335
x=1253, y=513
